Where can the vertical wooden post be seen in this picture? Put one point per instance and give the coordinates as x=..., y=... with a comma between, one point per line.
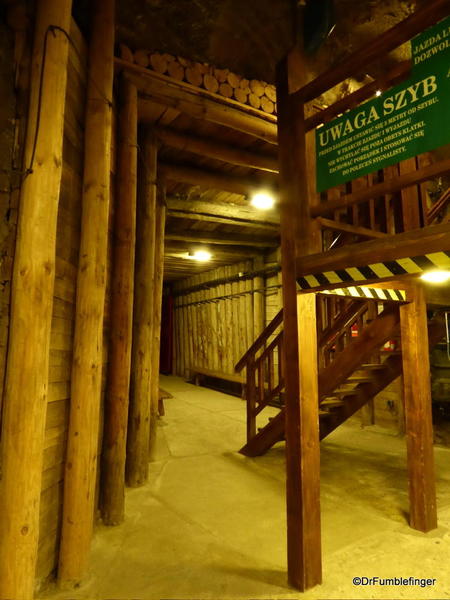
x=82, y=444
x=140, y=388
x=25, y=397
x=419, y=428
x=258, y=299
x=160, y=222
x=300, y=361
x=121, y=323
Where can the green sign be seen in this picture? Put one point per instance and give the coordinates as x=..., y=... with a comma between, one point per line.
x=407, y=120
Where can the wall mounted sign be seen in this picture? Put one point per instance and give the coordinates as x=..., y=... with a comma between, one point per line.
x=406, y=120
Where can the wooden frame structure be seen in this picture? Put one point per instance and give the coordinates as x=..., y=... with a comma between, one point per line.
x=141, y=209
x=302, y=217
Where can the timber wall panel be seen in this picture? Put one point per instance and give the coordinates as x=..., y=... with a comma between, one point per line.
x=214, y=333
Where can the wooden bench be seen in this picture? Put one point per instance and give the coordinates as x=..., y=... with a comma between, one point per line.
x=198, y=374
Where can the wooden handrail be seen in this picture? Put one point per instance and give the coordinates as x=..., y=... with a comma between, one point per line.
x=443, y=201
x=270, y=347
x=357, y=62
x=353, y=311
x=260, y=341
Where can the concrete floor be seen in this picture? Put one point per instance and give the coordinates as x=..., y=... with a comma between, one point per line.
x=211, y=523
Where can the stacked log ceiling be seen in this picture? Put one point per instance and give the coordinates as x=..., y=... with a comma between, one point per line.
x=81, y=462
x=223, y=82
x=215, y=325
x=198, y=103
x=160, y=221
x=298, y=238
x=25, y=396
x=121, y=325
x=143, y=326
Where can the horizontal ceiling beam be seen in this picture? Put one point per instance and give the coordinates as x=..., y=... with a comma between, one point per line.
x=245, y=215
x=226, y=239
x=207, y=147
x=416, y=243
x=243, y=186
x=199, y=103
x=175, y=247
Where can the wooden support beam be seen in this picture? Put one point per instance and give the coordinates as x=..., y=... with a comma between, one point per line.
x=160, y=220
x=207, y=147
x=200, y=103
x=121, y=320
x=239, y=213
x=356, y=230
x=176, y=248
x=258, y=300
x=82, y=445
x=300, y=357
x=192, y=216
x=214, y=179
x=411, y=243
x=26, y=385
x=357, y=62
x=225, y=239
x=141, y=366
x=419, y=428
x=395, y=75
x=389, y=186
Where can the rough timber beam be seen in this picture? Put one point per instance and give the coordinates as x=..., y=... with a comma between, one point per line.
x=226, y=239
x=207, y=147
x=82, y=445
x=199, y=103
x=26, y=385
x=176, y=248
x=214, y=179
x=240, y=214
x=419, y=242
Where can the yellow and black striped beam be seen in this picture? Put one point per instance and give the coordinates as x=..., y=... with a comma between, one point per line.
x=368, y=293
x=414, y=265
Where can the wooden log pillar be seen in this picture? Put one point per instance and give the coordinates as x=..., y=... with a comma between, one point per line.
x=141, y=362
x=121, y=322
x=300, y=357
x=160, y=222
x=26, y=385
x=418, y=419
x=259, y=317
x=83, y=435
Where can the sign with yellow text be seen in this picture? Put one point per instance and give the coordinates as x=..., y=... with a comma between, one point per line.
x=407, y=120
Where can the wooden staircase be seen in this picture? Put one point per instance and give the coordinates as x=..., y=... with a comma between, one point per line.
x=355, y=365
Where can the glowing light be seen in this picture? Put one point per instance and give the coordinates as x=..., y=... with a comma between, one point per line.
x=378, y=93
x=201, y=255
x=436, y=276
x=262, y=200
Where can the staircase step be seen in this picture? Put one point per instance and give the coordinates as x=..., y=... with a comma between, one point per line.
x=359, y=379
x=346, y=392
x=331, y=402
x=371, y=367
x=324, y=413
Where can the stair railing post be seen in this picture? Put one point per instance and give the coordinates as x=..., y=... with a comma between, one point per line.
x=251, y=398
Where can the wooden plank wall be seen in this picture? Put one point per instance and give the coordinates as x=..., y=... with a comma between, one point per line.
x=215, y=334
x=67, y=249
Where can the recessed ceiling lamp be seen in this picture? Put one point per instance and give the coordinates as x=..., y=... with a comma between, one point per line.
x=200, y=255
x=436, y=276
x=378, y=93
x=262, y=200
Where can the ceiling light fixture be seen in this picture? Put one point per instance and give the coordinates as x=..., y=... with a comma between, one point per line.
x=436, y=276
x=378, y=93
x=200, y=255
x=262, y=200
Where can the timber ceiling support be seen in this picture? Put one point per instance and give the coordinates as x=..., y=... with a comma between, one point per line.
x=206, y=147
